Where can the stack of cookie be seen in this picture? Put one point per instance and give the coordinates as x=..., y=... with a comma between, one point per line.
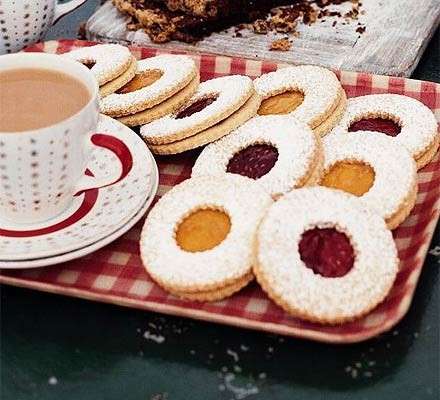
x=278, y=152
x=112, y=64
x=406, y=120
x=161, y=85
x=325, y=257
x=311, y=94
x=219, y=106
x=198, y=241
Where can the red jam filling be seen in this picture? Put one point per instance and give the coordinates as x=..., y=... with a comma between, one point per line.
x=327, y=252
x=254, y=161
x=196, y=107
x=387, y=126
x=89, y=64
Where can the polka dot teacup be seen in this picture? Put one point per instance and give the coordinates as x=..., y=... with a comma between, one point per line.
x=23, y=22
x=42, y=169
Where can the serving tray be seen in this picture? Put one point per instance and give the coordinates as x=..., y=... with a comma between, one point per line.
x=115, y=274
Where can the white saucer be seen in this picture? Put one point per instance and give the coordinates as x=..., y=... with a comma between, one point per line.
x=96, y=217
x=47, y=261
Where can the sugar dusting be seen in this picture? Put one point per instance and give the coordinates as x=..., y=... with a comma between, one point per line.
x=52, y=381
x=154, y=337
x=233, y=354
x=436, y=253
x=239, y=392
x=417, y=121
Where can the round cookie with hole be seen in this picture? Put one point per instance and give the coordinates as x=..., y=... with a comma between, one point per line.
x=376, y=169
x=312, y=94
x=169, y=105
x=408, y=121
x=214, y=101
x=157, y=79
x=198, y=241
x=213, y=133
x=277, y=151
x=112, y=64
x=324, y=257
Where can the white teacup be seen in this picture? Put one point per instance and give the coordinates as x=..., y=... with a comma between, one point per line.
x=41, y=170
x=23, y=22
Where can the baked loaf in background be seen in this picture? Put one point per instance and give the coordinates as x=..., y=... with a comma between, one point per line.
x=191, y=20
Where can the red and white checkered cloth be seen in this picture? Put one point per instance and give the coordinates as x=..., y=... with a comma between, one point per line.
x=115, y=274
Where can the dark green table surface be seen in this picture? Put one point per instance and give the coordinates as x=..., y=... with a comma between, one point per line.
x=62, y=348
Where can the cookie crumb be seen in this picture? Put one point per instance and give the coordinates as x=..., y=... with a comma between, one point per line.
x=260, y=26
x=233, y=354
x=280, y=45
x=262, y=375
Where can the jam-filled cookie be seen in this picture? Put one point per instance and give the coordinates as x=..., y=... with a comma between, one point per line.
x=112, y=64
x=219, y=106
x=312, y=94
x=198, y=241
x=161, y=84
x=277, y=151
x=407, y=120
x=374, y=168
x=324, y=257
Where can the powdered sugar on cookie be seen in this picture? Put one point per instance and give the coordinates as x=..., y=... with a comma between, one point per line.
x=220, y=266
x=296, y=287
x=297, y=146
x=229, y=94
x=110, y=60
x=320, y=86
x=417, y=122
x=395, y=170
x=177, y=71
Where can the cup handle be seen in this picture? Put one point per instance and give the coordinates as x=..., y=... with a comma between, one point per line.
x=119, y=149
x=65, y=8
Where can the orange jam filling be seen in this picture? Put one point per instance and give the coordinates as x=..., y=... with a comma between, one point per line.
x=282, y=103
x=203, y=230
x=352, y=177
x=141, y=80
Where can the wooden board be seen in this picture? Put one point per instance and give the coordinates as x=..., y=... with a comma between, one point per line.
x=396, y=35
